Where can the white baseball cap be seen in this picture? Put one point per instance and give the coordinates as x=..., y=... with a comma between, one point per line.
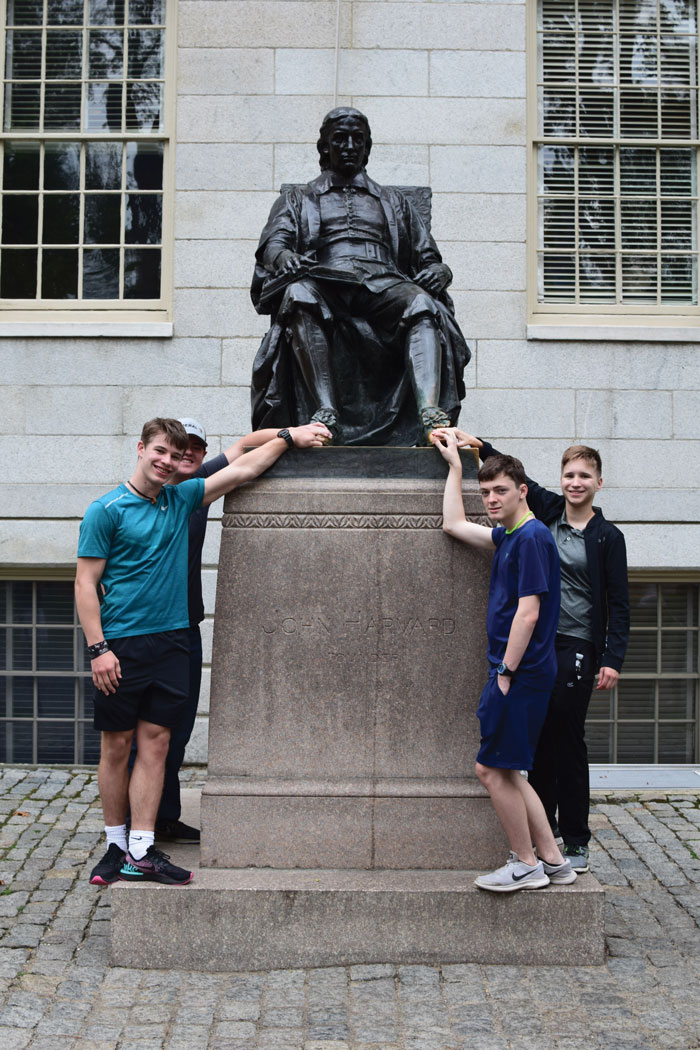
x=195, y=429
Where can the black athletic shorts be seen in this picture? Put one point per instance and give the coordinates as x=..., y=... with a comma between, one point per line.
x=154, y=686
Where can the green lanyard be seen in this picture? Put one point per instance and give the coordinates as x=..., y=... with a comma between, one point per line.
x=508, y=531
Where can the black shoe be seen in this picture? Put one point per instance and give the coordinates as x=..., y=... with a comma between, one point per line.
x=107, y=871
x=154, y=867
x=176, y=831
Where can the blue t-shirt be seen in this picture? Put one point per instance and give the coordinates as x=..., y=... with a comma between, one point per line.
x=145, y=547
x=198, y=528
x=526, y=562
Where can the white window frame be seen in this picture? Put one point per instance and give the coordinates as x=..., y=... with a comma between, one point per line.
x=128, y=318
x=558, y=321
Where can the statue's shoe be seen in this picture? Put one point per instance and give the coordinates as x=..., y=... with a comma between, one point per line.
x=431, y=418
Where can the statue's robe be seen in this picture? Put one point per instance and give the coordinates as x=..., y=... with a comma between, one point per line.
x=375, y=401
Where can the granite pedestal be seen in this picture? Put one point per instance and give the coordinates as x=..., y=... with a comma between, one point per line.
x=342, y=821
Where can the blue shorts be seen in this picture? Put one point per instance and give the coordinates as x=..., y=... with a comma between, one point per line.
x=510, y=725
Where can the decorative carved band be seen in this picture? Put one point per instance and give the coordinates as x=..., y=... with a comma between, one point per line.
x=336, y=521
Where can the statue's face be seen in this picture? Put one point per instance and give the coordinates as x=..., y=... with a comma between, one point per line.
x=347, y=146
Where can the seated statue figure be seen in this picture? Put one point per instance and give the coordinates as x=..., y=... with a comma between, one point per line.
x=363, y=335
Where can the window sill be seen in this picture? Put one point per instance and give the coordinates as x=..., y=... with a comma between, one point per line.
x=582, y=333
x=76, y=329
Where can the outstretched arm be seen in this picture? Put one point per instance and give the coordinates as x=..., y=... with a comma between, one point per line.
x=304, y=437
x=454, y=520
x=106, y=671
x=255, y=463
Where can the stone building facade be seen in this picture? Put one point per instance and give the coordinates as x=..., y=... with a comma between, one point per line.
x=452, y=91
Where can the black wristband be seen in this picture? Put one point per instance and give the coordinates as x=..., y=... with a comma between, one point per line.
x=284, y=433
x=98, y=649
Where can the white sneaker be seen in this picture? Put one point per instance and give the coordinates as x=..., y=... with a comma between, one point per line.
x=514, y=875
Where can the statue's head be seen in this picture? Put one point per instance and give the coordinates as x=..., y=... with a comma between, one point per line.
x=344, y=141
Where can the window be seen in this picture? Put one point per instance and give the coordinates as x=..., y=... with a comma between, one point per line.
x=85, y=160
x=652, y=715
x=615, y=156
x=45, y=678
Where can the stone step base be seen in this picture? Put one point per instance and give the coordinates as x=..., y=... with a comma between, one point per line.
x=259, y=919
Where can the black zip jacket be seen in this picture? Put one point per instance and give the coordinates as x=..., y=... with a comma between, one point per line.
x=607, y=565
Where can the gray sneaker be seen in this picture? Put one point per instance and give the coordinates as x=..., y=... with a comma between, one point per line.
x=578, y=856
x=559, y=874
x=514, y=875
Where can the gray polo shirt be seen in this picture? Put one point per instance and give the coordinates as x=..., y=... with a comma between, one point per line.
x=575, y=618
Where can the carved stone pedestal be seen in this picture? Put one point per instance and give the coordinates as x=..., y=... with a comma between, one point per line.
x=342, y=820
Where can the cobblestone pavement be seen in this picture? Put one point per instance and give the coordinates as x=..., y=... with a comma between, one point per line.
x=58, y=991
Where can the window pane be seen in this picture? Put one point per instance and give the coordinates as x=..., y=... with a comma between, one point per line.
x=558, y=108
x=64, y=12
x=677, y=699
x=641, y=652
x=679, y=280
x=638, y=224
x=557, y=221
x=679, y=604
x=64, y=55
x=22, y=649
x=679, y=113
x=635, y=699
x=59, y=278
x=638, y=172
x=141, y=274
x=102, y=218
x=146, y=53
x=101, y=273
x=146, y=12
x=56, y=697
x=21, y=166
x=20, y=697
x=18, y=274
x=23, y=54
x=596, y=224
x=16, y=739
x=558, y=277
x=597, y=279
x=635, y=742
x=106, y=12
x=643, y=603
x=144, y=165
x=55, y=742
x=677, y=224
x=20, y=218
x=88, y=744
x=677, y=742
x=679, y=651
x=21, y=602
x=639, y=279
x=599, y=740
x=61, y=218
x=54, y=603
x=596, y=170
x=61, y=106
x=597, y=113
x=144, y=107
x=106, y=54
x=22, y=107
x=143, y=218
x=62, y=166
x=103, y=165
x=24, y=12
x=677, y=171
x=104, y=107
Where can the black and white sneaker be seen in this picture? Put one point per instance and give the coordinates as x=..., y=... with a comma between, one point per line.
x=154, y=867
x=578, y=857
x=107, y=871
x=559, y=874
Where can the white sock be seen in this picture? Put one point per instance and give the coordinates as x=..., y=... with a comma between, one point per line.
x=139, y=843
x=117, y=834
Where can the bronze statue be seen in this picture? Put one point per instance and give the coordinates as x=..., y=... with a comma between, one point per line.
x=363, y=335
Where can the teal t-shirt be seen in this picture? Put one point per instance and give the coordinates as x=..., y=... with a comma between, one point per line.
x=145, y=547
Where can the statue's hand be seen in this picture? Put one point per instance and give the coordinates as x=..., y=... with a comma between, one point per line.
x=289, y=262
x=434, y=278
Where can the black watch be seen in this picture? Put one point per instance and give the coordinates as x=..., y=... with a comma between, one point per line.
x=504, y=671
x=284, y=433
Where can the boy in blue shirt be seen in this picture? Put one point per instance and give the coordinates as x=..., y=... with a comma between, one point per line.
x=522, y=615
x=131, y=596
